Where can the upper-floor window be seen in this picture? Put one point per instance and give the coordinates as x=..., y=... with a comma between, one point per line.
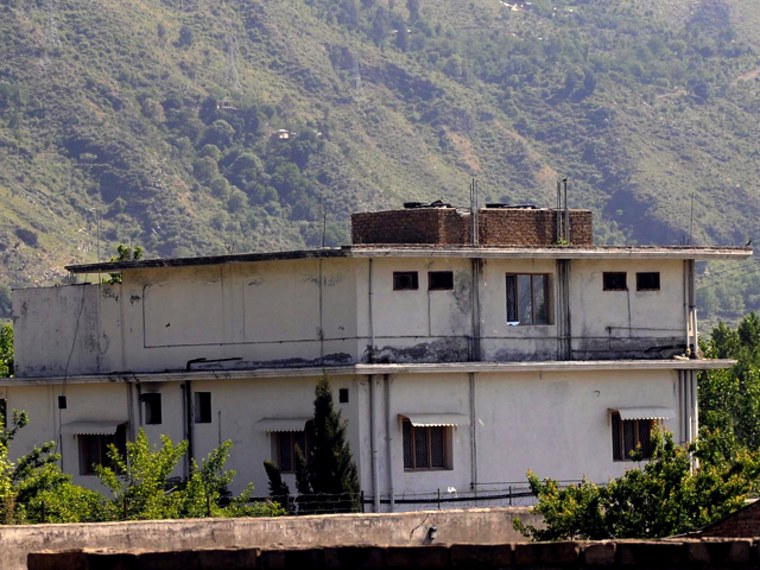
x=405, y=281
x=648, y=281
x=614, y=281
x=528, y=298
x=440, y=280
x=629, y=435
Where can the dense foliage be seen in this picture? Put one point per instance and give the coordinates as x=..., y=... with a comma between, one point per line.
x=200, y=128
x=33, y=489
x=666, y=495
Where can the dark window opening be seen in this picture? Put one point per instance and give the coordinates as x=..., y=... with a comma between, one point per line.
x=3, y=410
x=202, y=409
x=648, y=281
x=405, y=281
x=528, y=299
x=343, y=396
x=440, y=280
x=62, y=403
x=628, y=435
x=426, y=448
x=93, y=449
x=614, y=281
x=152, y=408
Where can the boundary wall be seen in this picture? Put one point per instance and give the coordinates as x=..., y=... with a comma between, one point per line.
x=471, y=526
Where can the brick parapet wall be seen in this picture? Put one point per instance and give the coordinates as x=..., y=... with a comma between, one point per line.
x=743, y=523
x=497, y=227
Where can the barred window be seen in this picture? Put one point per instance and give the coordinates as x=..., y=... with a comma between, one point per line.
x=284, y=449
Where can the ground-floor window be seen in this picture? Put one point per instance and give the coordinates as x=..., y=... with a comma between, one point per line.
x=426, y=447
x=284, y=449
x=93, y=449
x=629, y=435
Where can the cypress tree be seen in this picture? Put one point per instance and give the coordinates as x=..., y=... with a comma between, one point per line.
x=330, y=467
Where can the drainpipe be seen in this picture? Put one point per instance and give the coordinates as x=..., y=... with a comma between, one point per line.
x=389, y=440
x=371, y=352
x=187, y=416
x=475, y=270
x=373, y=445
x=473, y=434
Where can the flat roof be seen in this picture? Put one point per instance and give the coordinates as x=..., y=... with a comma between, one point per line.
x=426, y=251
x=375, y=369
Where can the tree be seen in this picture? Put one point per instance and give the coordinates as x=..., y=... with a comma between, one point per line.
x=139, y=478
x=327, y=472
x=124, y=253
x=279, y=491
x=6, y=350
x=662, y=498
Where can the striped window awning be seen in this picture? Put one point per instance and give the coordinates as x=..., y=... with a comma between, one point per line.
x=92, y=428
x=645, y=413
x=282, y=424
x=434, y=420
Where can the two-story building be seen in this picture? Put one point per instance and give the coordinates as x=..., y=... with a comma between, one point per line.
x=463, y=350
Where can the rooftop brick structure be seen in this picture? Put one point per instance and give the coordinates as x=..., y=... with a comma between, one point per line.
x=498, y=227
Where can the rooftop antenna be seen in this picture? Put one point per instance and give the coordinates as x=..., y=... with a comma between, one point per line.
x=567, y=215
x=691, y=217
x=559, y=209
x=474, y=229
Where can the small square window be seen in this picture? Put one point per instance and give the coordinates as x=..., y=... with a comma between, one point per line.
x=648, y=281
x=405, y=281
x=202, y=407
x=440, y=280
x=614, y=281
x=343, y=396
x=152, y=408
x=62, y=403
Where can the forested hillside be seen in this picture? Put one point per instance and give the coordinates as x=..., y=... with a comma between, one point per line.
x=206, y=126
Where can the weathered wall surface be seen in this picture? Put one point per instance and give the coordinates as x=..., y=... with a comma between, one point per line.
x=476, y=526
x=631, y=555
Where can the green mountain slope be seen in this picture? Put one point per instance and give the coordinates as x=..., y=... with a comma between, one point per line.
x=204, y=126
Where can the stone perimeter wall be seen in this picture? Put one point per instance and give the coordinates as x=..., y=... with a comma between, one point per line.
x=632, y=555
x=470, y=526
x=498, y=227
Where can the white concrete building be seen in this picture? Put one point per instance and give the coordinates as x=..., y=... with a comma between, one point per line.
x=462, y=352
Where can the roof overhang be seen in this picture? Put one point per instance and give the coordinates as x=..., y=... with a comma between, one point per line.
x=376, y=369
x=375, y=251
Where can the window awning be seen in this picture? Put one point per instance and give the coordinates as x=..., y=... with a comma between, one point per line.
x=647, y=413
x=282, y=424
x=430, y=420
x=91, y=428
